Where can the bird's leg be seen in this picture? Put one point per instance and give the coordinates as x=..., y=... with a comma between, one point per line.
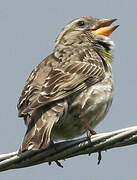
x=57, y=162
x=92, y=132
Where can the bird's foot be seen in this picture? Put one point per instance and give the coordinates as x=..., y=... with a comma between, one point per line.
x=92, y=132
x=57, y=162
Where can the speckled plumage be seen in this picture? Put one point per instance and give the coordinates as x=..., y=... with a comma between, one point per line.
x=72, y=85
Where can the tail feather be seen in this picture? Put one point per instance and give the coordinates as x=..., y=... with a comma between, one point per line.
x=39, y=128
x=37, y=139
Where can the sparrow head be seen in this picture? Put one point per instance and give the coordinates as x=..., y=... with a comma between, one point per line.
x=88, y=30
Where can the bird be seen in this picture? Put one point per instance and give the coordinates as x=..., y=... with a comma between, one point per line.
x=71, y=90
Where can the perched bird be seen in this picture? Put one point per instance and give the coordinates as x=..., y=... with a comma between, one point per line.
x=70, y=91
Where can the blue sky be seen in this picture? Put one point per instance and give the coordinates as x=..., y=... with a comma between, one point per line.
x=28, y=30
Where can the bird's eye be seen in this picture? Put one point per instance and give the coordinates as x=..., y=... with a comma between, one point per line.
x=80, y=23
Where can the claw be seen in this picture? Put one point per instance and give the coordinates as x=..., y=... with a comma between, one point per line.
x=99, y=157
x=57, y=162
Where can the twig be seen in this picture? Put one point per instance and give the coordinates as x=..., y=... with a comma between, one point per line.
x=68, y=149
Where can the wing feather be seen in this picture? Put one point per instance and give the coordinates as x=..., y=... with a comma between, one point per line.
x=66, y=79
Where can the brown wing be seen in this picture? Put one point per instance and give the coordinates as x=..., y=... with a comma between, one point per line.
x=64, y=79
x=35, y=82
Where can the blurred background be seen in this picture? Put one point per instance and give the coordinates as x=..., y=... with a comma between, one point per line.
x=28, y=30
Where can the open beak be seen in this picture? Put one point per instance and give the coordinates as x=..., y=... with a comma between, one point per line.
x=104, y=27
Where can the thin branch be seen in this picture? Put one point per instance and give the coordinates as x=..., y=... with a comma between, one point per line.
x=68, y=149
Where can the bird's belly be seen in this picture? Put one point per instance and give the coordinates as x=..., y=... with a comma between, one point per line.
x=91, y=105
